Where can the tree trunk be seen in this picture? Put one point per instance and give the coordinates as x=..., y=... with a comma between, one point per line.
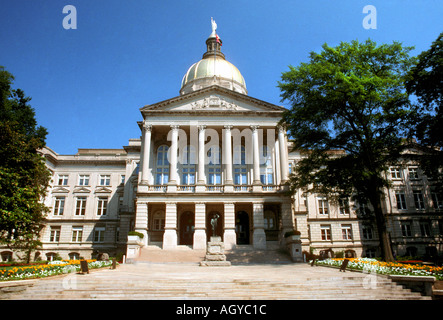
x=385, y=242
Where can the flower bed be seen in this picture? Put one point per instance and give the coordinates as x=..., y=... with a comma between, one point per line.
x=45, y=270
x=380, y=267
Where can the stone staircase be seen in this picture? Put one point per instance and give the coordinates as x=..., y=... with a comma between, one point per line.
x=172, y=281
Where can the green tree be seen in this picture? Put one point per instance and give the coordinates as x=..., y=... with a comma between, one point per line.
x=349, y=113
x=24, y=177
x=425, y=81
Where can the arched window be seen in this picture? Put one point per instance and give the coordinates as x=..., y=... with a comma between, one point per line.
x=188, y=165
x=74, y=256
x=214, y=166
x=240, y=168
x=266, y=170
x=162, y=173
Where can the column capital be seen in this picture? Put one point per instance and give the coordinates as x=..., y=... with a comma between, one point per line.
x=254, y=127
x=201, y=127
x=147, y=126
x=174, y=126
x=282, y=127
x=228, y=127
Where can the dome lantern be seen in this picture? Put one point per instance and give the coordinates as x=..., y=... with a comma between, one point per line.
x=213, y=69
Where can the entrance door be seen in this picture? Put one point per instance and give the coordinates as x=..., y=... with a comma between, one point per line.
x=242, y=227
x=186, y=228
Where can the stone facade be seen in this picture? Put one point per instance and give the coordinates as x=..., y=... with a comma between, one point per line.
x=214, y=150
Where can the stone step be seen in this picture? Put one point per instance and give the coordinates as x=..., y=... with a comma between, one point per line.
x=188, y=281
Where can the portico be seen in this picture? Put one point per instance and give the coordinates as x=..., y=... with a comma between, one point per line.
x=212, y=152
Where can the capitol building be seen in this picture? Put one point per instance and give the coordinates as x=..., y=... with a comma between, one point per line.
x=215, y=153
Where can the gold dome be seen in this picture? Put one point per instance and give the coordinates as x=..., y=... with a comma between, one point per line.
x=212, y=69
x=205, y=68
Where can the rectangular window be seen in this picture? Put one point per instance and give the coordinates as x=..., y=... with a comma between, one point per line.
x=99, y=234
x=162, y=176
x=425, y=229
x=323, y=206
x=413, y=173
x=346, y=230
x=267, y=176
x=54, y=234
x=102, y=206
x=344, y=206
x=159, y=224
x=419, y=200
x=62, y=180
x=59, y=206
x=105, y=180
x=395, y=173
x=325, y=232
x=214, y=175
x=406, y=229
x=80, y=208
x=83, y=180
x=77, y=234
x=240, y=176
x=401, y=200
x=188, y=176
x=437, y=201
x=368, y=233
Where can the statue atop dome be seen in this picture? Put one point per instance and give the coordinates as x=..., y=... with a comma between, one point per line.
x=214, y=28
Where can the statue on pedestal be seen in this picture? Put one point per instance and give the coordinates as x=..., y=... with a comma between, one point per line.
x=214, y=223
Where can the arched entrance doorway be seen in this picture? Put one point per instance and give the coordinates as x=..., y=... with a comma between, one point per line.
x=242, y=227
x=186, y=228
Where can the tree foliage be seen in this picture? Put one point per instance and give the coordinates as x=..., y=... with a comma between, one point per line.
x=425, y=81
x=23, y=175
x=349, y=113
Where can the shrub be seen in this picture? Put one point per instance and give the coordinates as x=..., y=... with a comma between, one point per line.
x=135, y=233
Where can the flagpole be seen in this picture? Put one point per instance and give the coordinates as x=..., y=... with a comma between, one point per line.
x=215, y=55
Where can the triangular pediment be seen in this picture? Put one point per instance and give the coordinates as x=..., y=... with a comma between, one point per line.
x=60, y=190
x=213, y=99
x=103, y=190
x=81, y=190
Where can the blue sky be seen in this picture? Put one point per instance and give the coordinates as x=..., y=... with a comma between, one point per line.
x=87, y=85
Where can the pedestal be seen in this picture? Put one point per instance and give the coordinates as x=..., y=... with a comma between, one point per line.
x=215, y=256
x=295, y=250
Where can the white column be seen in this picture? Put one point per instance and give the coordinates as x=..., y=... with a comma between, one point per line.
x=256, y=155
x=201, y=155
x=200, y=226
x=258, y=236
x=141, y=220
x=283, y=154
x=170, y=235
x=173, y=155
x=229, y=236
x=227, y=154
x=147, y=129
